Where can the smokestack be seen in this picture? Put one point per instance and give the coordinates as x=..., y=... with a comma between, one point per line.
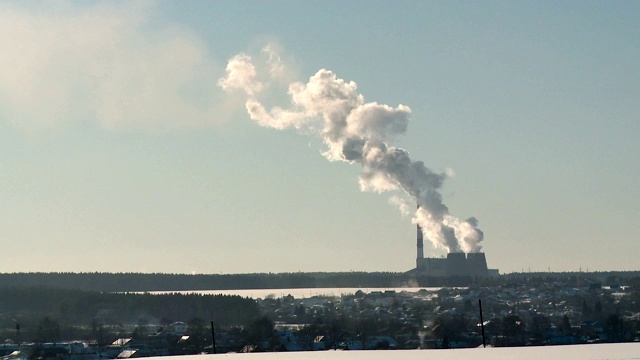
x=420, y=243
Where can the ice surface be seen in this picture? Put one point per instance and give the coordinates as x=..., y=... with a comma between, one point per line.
x=301, y=293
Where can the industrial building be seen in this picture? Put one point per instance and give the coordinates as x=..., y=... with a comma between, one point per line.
x=455, y=264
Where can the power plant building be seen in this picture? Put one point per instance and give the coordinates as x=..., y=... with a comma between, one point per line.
x=455, y=264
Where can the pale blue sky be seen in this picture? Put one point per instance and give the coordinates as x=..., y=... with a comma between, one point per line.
x=118, y=152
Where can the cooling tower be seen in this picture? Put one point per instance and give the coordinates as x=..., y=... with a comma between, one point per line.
x=477, y=264
x=457, y=264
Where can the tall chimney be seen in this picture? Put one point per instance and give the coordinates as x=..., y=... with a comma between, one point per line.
x=420, y=243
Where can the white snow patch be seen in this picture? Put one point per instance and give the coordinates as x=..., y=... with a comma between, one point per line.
x=623, y=351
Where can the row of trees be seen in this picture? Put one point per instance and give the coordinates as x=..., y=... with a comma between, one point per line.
x=123, y=282
x=129, y=282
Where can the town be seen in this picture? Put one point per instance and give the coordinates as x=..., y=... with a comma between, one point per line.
x=525, y=311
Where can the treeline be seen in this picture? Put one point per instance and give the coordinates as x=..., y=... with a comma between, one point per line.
x=27, y=305
x=139, y=282
x=142, y=282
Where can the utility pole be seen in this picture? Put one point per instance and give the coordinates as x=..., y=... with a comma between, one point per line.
x=213, y=338
x=484, y=344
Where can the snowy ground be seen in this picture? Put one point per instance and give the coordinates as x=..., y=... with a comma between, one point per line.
x=625, y=351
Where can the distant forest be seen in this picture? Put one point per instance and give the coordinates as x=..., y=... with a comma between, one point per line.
x=35, y=313
x=142, y=282
x=78, y=306
x=138, y=282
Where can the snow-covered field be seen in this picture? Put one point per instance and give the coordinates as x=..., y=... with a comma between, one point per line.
x=626, y=351
x=296, y=293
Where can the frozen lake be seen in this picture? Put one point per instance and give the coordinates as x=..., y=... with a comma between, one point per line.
x=625, y=351
x=296, y=293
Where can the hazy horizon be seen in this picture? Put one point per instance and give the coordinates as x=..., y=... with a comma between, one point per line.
x=127, y=146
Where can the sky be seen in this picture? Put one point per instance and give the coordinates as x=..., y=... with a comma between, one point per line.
x=126, y=144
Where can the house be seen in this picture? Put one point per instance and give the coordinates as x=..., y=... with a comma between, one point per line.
x=178, y=328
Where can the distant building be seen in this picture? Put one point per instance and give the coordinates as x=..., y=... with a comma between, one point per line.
x=455, y=264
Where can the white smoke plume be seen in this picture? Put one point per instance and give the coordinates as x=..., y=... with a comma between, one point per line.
x=359, y=132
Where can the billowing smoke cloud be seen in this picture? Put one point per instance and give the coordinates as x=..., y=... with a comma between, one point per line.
x=359, y=132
